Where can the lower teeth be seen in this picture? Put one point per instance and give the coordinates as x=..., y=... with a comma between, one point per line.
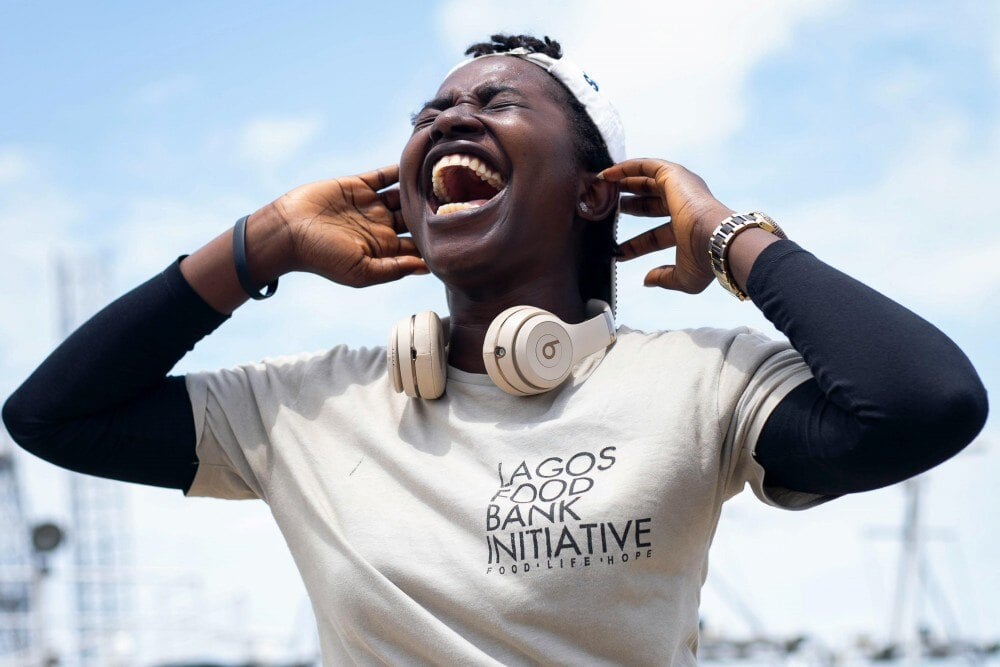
x=454, y=207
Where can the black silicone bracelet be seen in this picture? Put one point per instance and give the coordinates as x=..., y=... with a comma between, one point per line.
x=240, y=258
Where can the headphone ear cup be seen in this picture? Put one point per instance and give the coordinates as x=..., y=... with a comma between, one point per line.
x=402, y=343
x=494, y=353
x=543, y=352
x=531, y=351
x=429, y=359
x=509, y=364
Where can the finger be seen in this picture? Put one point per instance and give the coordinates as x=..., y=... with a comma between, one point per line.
x=390, y=198
x=662, y=276
x=398, y=224
x=406, y=246
x=388, y=218
x=387, y=269
x=646, y=207
x=668, y=277
x=381, y=178
x=640, y=185
x=658, y=238
x=636, y=167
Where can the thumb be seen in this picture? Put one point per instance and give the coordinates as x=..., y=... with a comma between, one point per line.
x=387, y=269
x=665, y=277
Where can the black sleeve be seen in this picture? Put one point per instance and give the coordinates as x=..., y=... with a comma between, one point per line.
x=892, y=396
x=102, y=404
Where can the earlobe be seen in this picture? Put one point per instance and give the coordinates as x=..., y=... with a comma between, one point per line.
x=598, y=198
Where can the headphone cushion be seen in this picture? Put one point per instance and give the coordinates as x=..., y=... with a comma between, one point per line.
x=392, y=358
x=404, y=356
x=429, y=364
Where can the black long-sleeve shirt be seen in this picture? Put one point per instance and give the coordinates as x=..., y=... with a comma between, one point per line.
x=892, y=396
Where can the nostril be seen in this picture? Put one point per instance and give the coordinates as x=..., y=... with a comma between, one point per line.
x=455, y=121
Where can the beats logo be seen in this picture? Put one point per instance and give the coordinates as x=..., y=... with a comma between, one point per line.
x=547, y=350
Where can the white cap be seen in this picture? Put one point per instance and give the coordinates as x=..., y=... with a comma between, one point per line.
x=583, y=88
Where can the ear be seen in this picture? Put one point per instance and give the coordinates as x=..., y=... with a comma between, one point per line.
x=598, y=198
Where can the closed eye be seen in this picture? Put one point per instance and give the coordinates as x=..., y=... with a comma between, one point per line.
x=501, y=105
x=422, y=118
x=487, y=94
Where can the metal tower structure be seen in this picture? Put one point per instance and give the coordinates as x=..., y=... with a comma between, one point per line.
x=918, y=594
x=17, y=603
x=100, y=528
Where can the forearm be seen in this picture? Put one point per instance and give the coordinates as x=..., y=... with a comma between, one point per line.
x=892, y=397
x=211, y=271
x=101, y=403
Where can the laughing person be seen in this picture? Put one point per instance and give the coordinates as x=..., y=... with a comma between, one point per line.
x=524, y=481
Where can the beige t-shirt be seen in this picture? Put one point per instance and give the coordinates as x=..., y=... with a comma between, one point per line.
x=571, y=527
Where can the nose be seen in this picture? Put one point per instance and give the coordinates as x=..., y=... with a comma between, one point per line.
x=455, y=121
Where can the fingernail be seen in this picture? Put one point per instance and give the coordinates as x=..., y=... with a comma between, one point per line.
x=600, y=176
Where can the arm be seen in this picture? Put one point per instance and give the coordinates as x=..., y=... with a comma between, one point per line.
x=892, y=396
x=101, y=403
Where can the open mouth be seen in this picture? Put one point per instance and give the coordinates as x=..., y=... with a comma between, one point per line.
x=462, y=183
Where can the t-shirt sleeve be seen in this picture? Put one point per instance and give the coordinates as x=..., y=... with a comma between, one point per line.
x=227, y=423
x=757, y=373
x=236, y=411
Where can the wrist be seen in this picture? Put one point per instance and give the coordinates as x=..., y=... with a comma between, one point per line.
x=735, y=245
x=270, y=245
x=706, y=226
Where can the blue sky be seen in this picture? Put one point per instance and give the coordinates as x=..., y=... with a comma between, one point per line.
x=871, y=131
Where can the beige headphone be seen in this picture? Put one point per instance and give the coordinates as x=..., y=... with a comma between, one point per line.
x=527, y=350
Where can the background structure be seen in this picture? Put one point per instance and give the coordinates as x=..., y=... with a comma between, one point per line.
x=871, y=131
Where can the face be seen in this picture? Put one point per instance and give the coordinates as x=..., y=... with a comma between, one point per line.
x=489, y=180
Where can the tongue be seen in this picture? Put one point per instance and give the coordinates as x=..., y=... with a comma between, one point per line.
x=463, y=185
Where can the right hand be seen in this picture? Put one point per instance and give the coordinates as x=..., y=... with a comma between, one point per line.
x=347, y=231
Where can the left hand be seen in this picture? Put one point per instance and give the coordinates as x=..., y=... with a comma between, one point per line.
x=661, y=189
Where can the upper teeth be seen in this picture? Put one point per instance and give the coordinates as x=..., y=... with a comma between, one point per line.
x=483, y=171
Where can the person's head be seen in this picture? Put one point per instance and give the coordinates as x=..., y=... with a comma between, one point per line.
x=542, y=211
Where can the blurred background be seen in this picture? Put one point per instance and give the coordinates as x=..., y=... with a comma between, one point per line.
x=131, y=133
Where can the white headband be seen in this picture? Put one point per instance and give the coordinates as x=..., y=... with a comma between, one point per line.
x=583, y=88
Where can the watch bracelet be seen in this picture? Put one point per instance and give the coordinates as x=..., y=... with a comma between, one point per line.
x=722, y=236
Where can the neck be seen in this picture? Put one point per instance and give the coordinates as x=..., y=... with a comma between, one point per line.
x=472, y=314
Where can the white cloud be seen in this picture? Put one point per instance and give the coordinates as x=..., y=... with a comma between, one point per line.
x=36, y=219
x=917, y=232
x=14, y=165
x=676, y=71
x=269, y=142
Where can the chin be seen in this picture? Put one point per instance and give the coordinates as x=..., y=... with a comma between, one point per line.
x=470, y=266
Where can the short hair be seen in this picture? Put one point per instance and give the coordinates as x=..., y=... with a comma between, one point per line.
x=597, y=247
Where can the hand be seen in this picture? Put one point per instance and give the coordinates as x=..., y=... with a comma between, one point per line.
x=660, y=189
x=347, y=231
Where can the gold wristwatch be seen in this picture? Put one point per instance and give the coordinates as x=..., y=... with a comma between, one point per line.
x=718, y=245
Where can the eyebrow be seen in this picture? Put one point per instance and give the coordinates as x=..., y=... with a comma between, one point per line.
x=485, y=92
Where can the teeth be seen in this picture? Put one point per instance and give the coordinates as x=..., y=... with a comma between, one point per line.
x=484, y=172
x=445, y=209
